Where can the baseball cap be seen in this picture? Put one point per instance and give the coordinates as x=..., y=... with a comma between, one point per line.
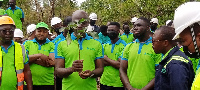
x=93, y=16
x=55, y=20
x=154, y=20
x=134, y=19
x=42, y=24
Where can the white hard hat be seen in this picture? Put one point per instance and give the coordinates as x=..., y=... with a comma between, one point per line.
x=18, y=33
x=134, y=19
x=55, y=20
x=31, y=28
x=93, y=16
x=186, y=15
x=168, y=21
x=154, y=20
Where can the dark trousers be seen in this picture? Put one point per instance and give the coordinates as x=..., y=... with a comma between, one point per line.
x=104, y=87
x=58, y=83
x=41, y=87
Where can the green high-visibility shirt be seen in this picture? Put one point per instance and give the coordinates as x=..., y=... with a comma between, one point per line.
x=141, y=60
x=40, y=75
x=195, y=61
x=127, y=38
x=110, y=75
x=9, y=76
x=2, y=11
x=90, y=50
x=16, y=15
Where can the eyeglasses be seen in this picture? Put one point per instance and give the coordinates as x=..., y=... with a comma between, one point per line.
x=11, y=31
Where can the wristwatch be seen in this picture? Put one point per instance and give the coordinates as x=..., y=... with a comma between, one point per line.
x=92, y=75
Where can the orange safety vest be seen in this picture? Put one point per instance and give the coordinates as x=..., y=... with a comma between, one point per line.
x=19, y=64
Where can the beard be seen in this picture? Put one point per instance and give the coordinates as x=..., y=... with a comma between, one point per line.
x=40, y=41
x=153, y=28
x=139, y=35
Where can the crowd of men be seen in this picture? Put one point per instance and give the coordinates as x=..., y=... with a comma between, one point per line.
x=84, y=56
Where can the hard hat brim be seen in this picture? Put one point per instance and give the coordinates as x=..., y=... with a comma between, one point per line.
x=93, y=19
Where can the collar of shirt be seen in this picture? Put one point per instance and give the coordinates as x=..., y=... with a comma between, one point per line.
x=113, y=45
x=128, y=34
x=6, y=50
x=141, y=43
x=167, y=53
x=59, y=36
x=47, y=41
x=118, y=42
x=170, y=52
x=74, y=37
x=80, y=42
x=16, y=7
x=146, y=42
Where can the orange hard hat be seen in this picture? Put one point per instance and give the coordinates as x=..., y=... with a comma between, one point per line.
x=6, y=20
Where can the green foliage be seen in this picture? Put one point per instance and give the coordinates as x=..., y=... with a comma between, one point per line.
x=107, y=10
x=35, y=13
x=123, y=10
x=74, y=25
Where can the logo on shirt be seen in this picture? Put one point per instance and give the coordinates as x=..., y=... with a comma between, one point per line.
x=91, y=48
x=148, y=54
x=163, y=70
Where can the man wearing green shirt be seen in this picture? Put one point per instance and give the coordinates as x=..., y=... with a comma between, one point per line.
x=2, y=11
x=79, y=61
x=127, y=36
x=9, y=77
x=110, y=79
x=16, y=14
x=41, y=55
x=137, y=67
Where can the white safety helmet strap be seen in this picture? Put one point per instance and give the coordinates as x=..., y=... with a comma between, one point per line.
x=194, y=40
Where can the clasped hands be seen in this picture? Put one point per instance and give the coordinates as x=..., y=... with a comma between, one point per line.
x=77, y=66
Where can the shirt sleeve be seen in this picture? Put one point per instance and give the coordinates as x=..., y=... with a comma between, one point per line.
x=120, y=52
x=22, y=13
x=52, y=48
x=58, y=51
x=26, y=45
x=26, y=59
x=104, y=46
x=178, y=76
x=125, y=53
x=100, y=51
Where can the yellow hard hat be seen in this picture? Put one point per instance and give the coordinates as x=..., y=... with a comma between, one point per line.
x=6, y=20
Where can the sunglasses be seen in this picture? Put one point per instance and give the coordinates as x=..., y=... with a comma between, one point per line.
x=11, y=31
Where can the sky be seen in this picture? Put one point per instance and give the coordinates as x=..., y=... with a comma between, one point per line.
x=80, y=1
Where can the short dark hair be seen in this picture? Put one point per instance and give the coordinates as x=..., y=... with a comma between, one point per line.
x=167, y=33
x=115, y=23
x=170, y=23
x=125, y=23
x=147, y=21
x=67, y=20
x=103, y=28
